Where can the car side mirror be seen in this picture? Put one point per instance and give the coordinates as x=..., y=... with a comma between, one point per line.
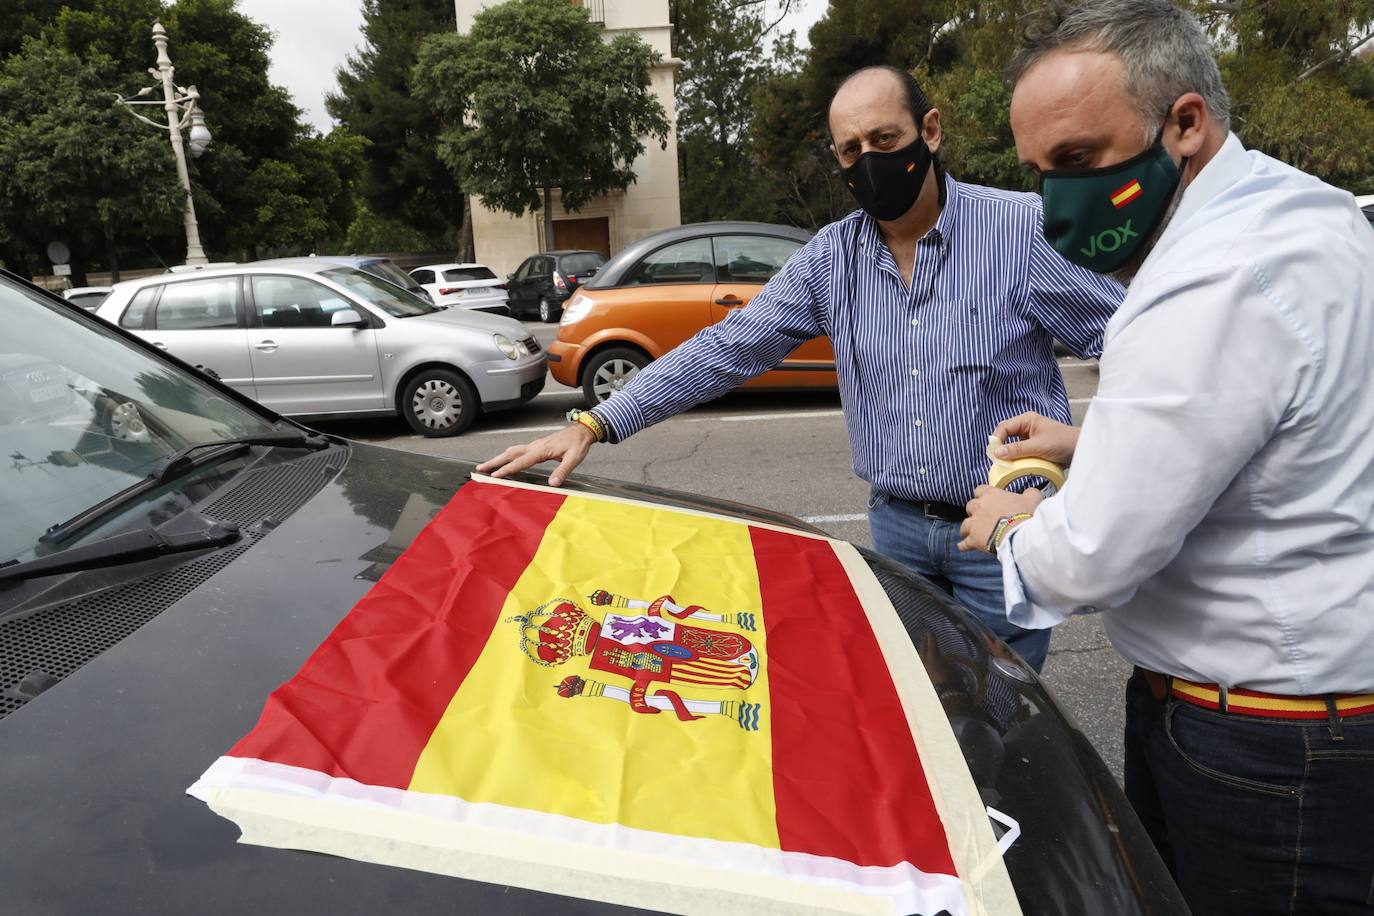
x=347, y=318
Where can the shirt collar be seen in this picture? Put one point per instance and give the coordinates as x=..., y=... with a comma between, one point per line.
x=1229, y=165
x=871, y=240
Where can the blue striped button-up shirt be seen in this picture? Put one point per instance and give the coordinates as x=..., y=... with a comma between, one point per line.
x=925, y=372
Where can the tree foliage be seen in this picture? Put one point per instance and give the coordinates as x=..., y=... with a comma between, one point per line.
x=1301, y=89
x=532, y=99
x=73, y=166
x=721, y=47
x=405, y=181
x=268, y=182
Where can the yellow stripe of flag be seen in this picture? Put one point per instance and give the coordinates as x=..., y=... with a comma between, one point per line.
x=597, y=759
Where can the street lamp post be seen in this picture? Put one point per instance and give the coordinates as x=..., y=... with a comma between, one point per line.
x=183, y=108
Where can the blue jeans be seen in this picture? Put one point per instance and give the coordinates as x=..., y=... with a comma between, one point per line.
x=1254, y=816
x=929, y=546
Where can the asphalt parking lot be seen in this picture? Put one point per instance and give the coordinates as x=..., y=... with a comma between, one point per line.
x=787, y=452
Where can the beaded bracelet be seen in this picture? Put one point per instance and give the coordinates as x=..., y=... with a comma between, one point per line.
x=1004, y=526
x=593, y=423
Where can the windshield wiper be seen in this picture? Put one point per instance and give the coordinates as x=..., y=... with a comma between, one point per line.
x=189, y=531
x=175, y=465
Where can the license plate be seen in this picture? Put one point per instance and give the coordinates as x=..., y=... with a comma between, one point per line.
x=47, y=393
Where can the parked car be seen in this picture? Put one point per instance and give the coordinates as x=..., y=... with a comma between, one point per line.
x=661, y=290
x=193, y=570
x=88, y=297
x=468, y=286
x=1366, y=205
x=543, y=282
x=311, y=338
x=384, y=268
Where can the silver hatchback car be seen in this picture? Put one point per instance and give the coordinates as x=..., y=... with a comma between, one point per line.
x=308, y=338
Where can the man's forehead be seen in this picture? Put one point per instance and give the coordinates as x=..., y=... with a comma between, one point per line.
x=1070, y=84
x=1067, y=93
x=868, y=100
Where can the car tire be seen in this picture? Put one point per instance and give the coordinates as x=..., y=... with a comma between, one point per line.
x=608, y=371
x=120, y=419
x=548, y=312
x=439, y=402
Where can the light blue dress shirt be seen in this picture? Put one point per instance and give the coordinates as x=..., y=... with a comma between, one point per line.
x=926, y=371
x=1220, y=505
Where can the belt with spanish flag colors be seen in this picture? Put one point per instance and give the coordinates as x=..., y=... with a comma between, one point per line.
x=1242, y=702
x=626, y=702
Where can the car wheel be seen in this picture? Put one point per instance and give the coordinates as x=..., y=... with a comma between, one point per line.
x=121, y=420
x=548, y=312
x=608, y=372
x=439, y=402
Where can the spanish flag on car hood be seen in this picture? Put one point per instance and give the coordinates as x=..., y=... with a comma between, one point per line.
x=614, y=700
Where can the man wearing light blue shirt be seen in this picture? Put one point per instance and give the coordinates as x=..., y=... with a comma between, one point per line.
x=1220, y=503
x=942, y=300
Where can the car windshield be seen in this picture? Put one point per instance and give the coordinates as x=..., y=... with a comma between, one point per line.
x=386, y=296
x=391, y=273
x=459, y=274
x=577, y=264
x=85, y=414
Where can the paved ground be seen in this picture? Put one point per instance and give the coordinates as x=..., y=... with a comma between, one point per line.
x=786, y=452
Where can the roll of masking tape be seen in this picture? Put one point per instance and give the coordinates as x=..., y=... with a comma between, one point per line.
x=1003, y=472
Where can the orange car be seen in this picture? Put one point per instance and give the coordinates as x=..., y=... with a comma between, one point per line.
x=661, y=290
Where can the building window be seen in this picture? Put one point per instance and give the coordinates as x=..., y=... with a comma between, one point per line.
x=596, y=9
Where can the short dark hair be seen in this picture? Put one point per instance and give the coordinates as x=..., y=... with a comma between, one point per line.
x=916, y=101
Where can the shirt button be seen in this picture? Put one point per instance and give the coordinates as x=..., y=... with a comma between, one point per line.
x=922, y=471
x=915, y=371
x=916, y=322
x=920, y=422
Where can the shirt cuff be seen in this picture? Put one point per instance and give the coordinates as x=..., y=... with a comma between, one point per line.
x=621, y=415
x=1022, y=607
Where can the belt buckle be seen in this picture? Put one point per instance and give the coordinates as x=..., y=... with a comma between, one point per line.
x=928, y=511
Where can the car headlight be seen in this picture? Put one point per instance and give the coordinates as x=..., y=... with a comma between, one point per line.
x=506, y=347
x=576, y=309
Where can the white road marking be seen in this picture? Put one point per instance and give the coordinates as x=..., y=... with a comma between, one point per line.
x=796, y=415
x=1073, y=401
x=517, y=430
x=823, y=519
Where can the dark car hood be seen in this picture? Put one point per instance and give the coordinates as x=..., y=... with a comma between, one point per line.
x=96, y=767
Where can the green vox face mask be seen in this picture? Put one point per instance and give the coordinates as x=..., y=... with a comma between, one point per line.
x=1099, y=218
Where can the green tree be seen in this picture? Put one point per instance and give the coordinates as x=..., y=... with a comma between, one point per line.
x=721, y=47
x=265, y=183
x=74, y=166
x=794, y=167
x=532, y=99
x=405, y=181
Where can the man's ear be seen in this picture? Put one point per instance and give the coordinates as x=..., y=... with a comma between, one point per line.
x=931, y=131
x=1191, y=119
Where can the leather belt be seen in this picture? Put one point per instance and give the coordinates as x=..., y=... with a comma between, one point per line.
x=945, y=512
x=1242, y=702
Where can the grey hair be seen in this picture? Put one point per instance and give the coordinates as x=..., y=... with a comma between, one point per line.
x=1163, y=49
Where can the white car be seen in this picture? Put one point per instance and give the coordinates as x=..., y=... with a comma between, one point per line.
x=308, y=337
x=88, y=297
x=467, y=286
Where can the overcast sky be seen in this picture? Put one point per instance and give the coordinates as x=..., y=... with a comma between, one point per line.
x=310, y=45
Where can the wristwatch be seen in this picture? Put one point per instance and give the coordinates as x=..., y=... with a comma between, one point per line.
x=590, y=420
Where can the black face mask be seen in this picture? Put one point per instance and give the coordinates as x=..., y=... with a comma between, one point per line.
x=886, y=185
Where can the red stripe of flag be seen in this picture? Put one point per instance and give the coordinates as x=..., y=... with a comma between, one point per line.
x=374, y=690
x=847, y=780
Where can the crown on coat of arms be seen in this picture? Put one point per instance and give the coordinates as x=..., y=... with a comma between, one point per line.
x=550, y=638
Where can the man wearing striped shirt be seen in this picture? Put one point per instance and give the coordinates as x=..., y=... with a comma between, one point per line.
x=942, y=301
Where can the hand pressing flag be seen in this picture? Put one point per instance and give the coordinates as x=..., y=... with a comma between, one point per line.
x=624, y=702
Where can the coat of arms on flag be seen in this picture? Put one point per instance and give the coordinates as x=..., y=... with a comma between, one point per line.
x=624, y=702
